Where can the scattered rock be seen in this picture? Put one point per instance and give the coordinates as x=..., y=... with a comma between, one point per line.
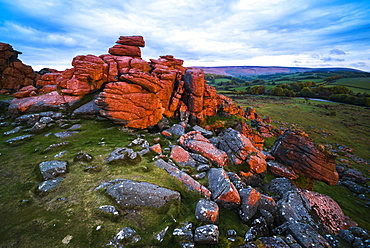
x=196, y=142
x=52, y=169
x=65, y=134
x=83, y=157
x=223, y=191
x=207, y=234
x=183, y=177
x=301, y=154
x=185, y=233
x=124, y=156
x=131, y=193
x=207, y=211
x=124, y=237
x=18, y=140
x=13, y=131
x=280, y=170
x=182, y=157
x=49, y=184
x=109, y=209
x=161, y=234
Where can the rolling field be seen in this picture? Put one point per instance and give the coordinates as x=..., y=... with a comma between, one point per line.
x=361, y=85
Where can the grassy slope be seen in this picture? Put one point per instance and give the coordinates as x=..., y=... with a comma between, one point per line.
x=361, y=85
x=31, y=219
x=324, y=128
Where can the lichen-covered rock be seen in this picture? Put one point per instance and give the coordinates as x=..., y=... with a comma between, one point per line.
x=306, y=236
x=46, y=102
x=131, y=193
x=182, y=157
x=52, y=169
x=280, y=170
x=183, y=177
x=301, y=154
x=124, y=237
x=249, y=203
x=223, y=191
x=207, y=234
x=196, y=142
x=130, y=104
x=327, y=209
x=207, y=211
x=13, y=73
x=240, y=149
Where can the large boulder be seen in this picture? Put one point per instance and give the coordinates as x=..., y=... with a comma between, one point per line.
x=182, y=157
x=240, y=149
x=329, y=212
x=13, y=73
x=196, y=142
x=130, y=104
x=52, y=169
x=223, y=191
x=301, y=154
x=131, y=193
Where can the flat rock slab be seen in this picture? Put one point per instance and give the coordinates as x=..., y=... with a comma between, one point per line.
x=50, y=184
x=65, y=134
x=51, y=169
x=183, y=177
x=19, y=139
x=132, y=193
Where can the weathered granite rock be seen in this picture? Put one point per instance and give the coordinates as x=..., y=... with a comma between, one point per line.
x=88, y=110
x=183, y=177
x=355, y=188
x=240, y=149
x=18, y=140
x=13, y=131
x=259, y=228
x=124, y=237
x=279, y=169
x=13, y=73
x=49, y=101
x=196, y=142
x=355, y=176
x=65, y=134
x=131, y=40
x=249, y=203
x=207, y=234
x=306, y=236
x=207, y=211
x=223, y=191
x=49, y=184
x=204, y=132
x=182, y=157
x=301, y=154
x=156, y=148
x=273, y=242
x=131, y=193
x=124, y=156
x=130, y=104
x=185, y=232
x=52, y=169
x=83, y=157
x=254, y=136
x=329, y=212
x=109, y=209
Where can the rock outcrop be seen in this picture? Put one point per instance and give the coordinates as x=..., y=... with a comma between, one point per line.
x=13, y=73
x=301, y=154
x=136, y=93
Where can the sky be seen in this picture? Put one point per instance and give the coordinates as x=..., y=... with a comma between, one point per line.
x=297, y=33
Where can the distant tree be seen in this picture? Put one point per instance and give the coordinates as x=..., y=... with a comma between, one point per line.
x=307, y=92
x=257, y=90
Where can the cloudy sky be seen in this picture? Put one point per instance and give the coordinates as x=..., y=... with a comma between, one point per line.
x=303, y=33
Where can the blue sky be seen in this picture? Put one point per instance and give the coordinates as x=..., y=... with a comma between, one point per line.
x=304, y=33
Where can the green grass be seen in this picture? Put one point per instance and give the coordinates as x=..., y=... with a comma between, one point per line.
x=360, y=85
x=32, y=219
x=350, y=126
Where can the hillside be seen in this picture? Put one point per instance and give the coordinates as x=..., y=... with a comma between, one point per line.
x=236, y=71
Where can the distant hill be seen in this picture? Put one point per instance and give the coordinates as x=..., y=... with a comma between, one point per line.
x=263, y=70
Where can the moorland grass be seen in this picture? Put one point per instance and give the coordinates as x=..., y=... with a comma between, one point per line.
x=327, y=123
